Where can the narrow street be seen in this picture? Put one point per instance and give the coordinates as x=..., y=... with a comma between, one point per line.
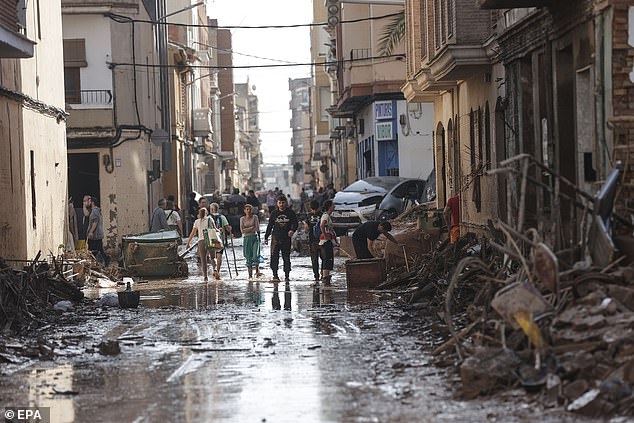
x=250, y=351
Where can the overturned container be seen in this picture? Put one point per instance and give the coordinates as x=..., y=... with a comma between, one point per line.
x=153, y=254
x=365, y=273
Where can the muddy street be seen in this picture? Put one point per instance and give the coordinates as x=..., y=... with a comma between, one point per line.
x=248, y=351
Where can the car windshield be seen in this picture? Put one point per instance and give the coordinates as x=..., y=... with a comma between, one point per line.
x=376, y=184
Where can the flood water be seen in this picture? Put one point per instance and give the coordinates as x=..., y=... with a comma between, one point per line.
x=250, y=351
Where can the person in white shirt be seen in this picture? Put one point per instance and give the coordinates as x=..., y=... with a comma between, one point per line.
x=200, y=225
x=173, y=217
x=327, y=241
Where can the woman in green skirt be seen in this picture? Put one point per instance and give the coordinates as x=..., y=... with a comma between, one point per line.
x=250, y=228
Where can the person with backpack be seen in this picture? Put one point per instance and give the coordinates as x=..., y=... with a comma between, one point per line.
x=224, y=228
x=282, y=225
x=312, y=227
x=327, y=241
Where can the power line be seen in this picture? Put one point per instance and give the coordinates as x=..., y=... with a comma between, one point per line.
x=314, y=24
x=241, y=54
x=278, y=65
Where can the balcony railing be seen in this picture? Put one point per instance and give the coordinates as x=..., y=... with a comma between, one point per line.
x=89, y=97
x=360, y=53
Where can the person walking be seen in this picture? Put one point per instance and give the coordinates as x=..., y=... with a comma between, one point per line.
x=250, y=228
x=327, y=241
x=223, y=228
x=281, y=227
x=95, y=233
x=370, y=230
x=173, y=217
x=313, y=218
x=451, y=213
x=254, y=201
x=303, y=199
x=198, y=228
x=192, y=211
x=158, y=221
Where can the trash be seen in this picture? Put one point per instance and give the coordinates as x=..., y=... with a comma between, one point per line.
x=110, y=299
x=109, y=348
x=584, y=400
x=520, y=297
x=105, y=283
x=63, y=391
x=63, y=306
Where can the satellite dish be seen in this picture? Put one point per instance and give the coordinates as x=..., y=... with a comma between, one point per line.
x=253, y=87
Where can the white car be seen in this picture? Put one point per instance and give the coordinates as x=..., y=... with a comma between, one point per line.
x=358, y=202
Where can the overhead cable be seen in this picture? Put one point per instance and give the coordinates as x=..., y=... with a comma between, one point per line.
x=314, y=24
x=276, y=65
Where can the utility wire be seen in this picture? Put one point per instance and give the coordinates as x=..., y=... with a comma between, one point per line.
x=314, y=24
x=226, y=50
x=277, y=65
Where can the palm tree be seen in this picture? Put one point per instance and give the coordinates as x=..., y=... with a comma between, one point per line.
x=392, y=34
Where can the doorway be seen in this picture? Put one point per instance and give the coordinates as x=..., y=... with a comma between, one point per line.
x=83, y=176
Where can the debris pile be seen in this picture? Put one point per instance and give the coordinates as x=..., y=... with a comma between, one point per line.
x=518, y=312
x=27, y=295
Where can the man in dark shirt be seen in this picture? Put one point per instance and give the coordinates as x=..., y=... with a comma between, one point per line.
x=253, y=200
x=282, y=225
x=370, y=231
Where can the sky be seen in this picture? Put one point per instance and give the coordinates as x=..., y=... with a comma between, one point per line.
x=271, y=84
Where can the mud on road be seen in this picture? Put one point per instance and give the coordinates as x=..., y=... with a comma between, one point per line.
x=249, y=351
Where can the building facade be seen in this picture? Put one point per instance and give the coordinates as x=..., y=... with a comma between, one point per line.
x=33, y=130
x=114, y=106
x=387, y=136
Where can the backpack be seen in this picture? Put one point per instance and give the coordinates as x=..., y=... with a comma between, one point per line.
x=316, y=230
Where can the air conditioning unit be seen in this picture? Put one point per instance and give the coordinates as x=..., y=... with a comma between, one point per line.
x=202, y=122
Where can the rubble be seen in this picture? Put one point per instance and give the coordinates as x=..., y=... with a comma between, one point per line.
x=518, y=312
x=27, y=294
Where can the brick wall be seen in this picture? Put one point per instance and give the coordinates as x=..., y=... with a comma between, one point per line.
x=623, y=96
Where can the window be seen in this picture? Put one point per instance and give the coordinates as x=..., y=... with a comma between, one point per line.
x=75, y=53
x=33, y=191
x=472, y=139
x=423, y=22
x=443, y=19
x=437, y=23
x=72, y=85
x=324, y=103
x=74, y=60
x=450, y=18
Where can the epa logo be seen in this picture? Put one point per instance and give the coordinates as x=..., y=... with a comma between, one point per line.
x=27, y=414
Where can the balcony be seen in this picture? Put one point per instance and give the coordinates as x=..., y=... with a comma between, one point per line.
x=14, y=45
x=512, y=4
x=103, y=6
x=89, y=109
x=456, y=62
x=90, y=98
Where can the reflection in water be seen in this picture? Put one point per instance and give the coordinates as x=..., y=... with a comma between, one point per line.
x=41, y=393
x=275, y=300
x=322, y=296
x=287, y=296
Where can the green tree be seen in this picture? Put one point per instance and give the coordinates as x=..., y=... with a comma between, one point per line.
x=392, y=34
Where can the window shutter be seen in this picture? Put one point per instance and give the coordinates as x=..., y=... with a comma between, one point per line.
x=8, y=15
x=75, y=53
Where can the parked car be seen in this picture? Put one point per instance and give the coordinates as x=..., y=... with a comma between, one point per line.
x=405, y=194
x=357, y=203
x=399, y=198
